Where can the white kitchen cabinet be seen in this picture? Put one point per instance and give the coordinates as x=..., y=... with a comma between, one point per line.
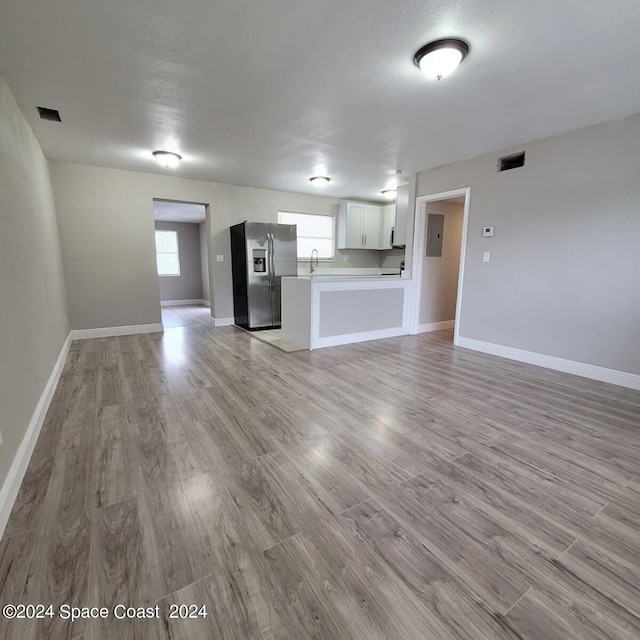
x=359, y=225
x=388, y=221
x=352, y=224
x=371, y=226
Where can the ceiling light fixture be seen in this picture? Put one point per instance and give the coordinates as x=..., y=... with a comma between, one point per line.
x=389, y=194
x=441, y=57
x=319, y=181
x=167, y=159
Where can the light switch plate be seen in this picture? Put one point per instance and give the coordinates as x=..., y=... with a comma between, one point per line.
x=486, y=256
x=487, y=232
x=0, y=438
x=219, y=258
x=345, y=258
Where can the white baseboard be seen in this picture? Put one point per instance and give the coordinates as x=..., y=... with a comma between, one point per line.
x=108, y=332
x=333, y=341
x=224, y=322
x=436, y=326
x=181, y=303
x=12, y=482
x=620, y=378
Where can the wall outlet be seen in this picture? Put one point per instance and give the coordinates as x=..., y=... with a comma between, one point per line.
x=345, y=258
x=0, y=438
x=219, y=258
x=486, y=256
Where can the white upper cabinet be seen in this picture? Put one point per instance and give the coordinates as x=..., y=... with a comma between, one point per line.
x=371, y=226
x=360, y=226
x=352, y=236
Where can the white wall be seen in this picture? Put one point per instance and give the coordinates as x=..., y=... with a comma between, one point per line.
x=564, y=276
x=99, y=209
x=32, y=294
x=440, y=274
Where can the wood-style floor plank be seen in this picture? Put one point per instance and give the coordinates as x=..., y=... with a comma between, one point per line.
x=113, y=467
x=538, y=615
x=462, y=536
x=59, y=567
x=396, y=488
x=459, y=614
x=588, y=595
x=122, y=569
x=15, y=557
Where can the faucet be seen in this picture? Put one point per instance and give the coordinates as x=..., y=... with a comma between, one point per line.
x=311, y=267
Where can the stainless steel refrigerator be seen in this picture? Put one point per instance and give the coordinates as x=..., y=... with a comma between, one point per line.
x=261, y=254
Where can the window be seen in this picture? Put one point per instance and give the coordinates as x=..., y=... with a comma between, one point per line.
x=167, y=255
x=314, y=232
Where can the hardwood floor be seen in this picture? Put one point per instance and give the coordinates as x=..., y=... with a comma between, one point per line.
x=186, y=316
x=401, y=488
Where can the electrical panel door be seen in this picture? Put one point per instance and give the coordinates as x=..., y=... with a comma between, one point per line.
x=435, y=232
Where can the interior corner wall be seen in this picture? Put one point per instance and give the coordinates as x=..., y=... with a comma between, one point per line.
x=564, y=275
x=32, y=292
x=106, y=224
x=188, y=285
x=204, y=261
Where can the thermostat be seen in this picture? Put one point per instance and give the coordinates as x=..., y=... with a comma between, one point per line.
x=487, y=232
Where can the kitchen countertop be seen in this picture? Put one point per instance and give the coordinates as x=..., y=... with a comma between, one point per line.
x=325, y=278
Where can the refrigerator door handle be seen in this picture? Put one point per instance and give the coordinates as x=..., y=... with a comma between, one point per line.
x=272, y=270
x=269, y=252
x=272, y=263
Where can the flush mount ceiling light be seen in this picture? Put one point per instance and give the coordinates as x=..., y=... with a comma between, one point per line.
x=167, y=158
x=441, y=57
x=389, y=194
x=319, y=181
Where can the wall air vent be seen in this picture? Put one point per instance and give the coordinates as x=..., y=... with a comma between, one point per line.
x=49, y=114
x=511, y=162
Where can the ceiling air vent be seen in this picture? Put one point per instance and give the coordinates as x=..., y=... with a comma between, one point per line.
x=511, y=162
x=49, y=114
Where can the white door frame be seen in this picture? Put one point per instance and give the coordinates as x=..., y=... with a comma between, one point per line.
x=419, y=248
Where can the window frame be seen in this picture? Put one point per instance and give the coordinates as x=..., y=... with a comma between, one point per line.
x=176, y=253
x=333, y=233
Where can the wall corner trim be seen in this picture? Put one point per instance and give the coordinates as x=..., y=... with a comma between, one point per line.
x=594, y=372
x=224, y=322
x=11, y=486
x=108, y=332
x=436, y=326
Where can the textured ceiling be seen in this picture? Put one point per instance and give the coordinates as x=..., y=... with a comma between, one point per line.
x=269, y=93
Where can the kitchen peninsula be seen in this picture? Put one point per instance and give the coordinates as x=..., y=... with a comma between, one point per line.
x=322, y=311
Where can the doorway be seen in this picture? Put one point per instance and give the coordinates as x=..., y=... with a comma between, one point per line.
x=182, y=260
x=438, y=260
